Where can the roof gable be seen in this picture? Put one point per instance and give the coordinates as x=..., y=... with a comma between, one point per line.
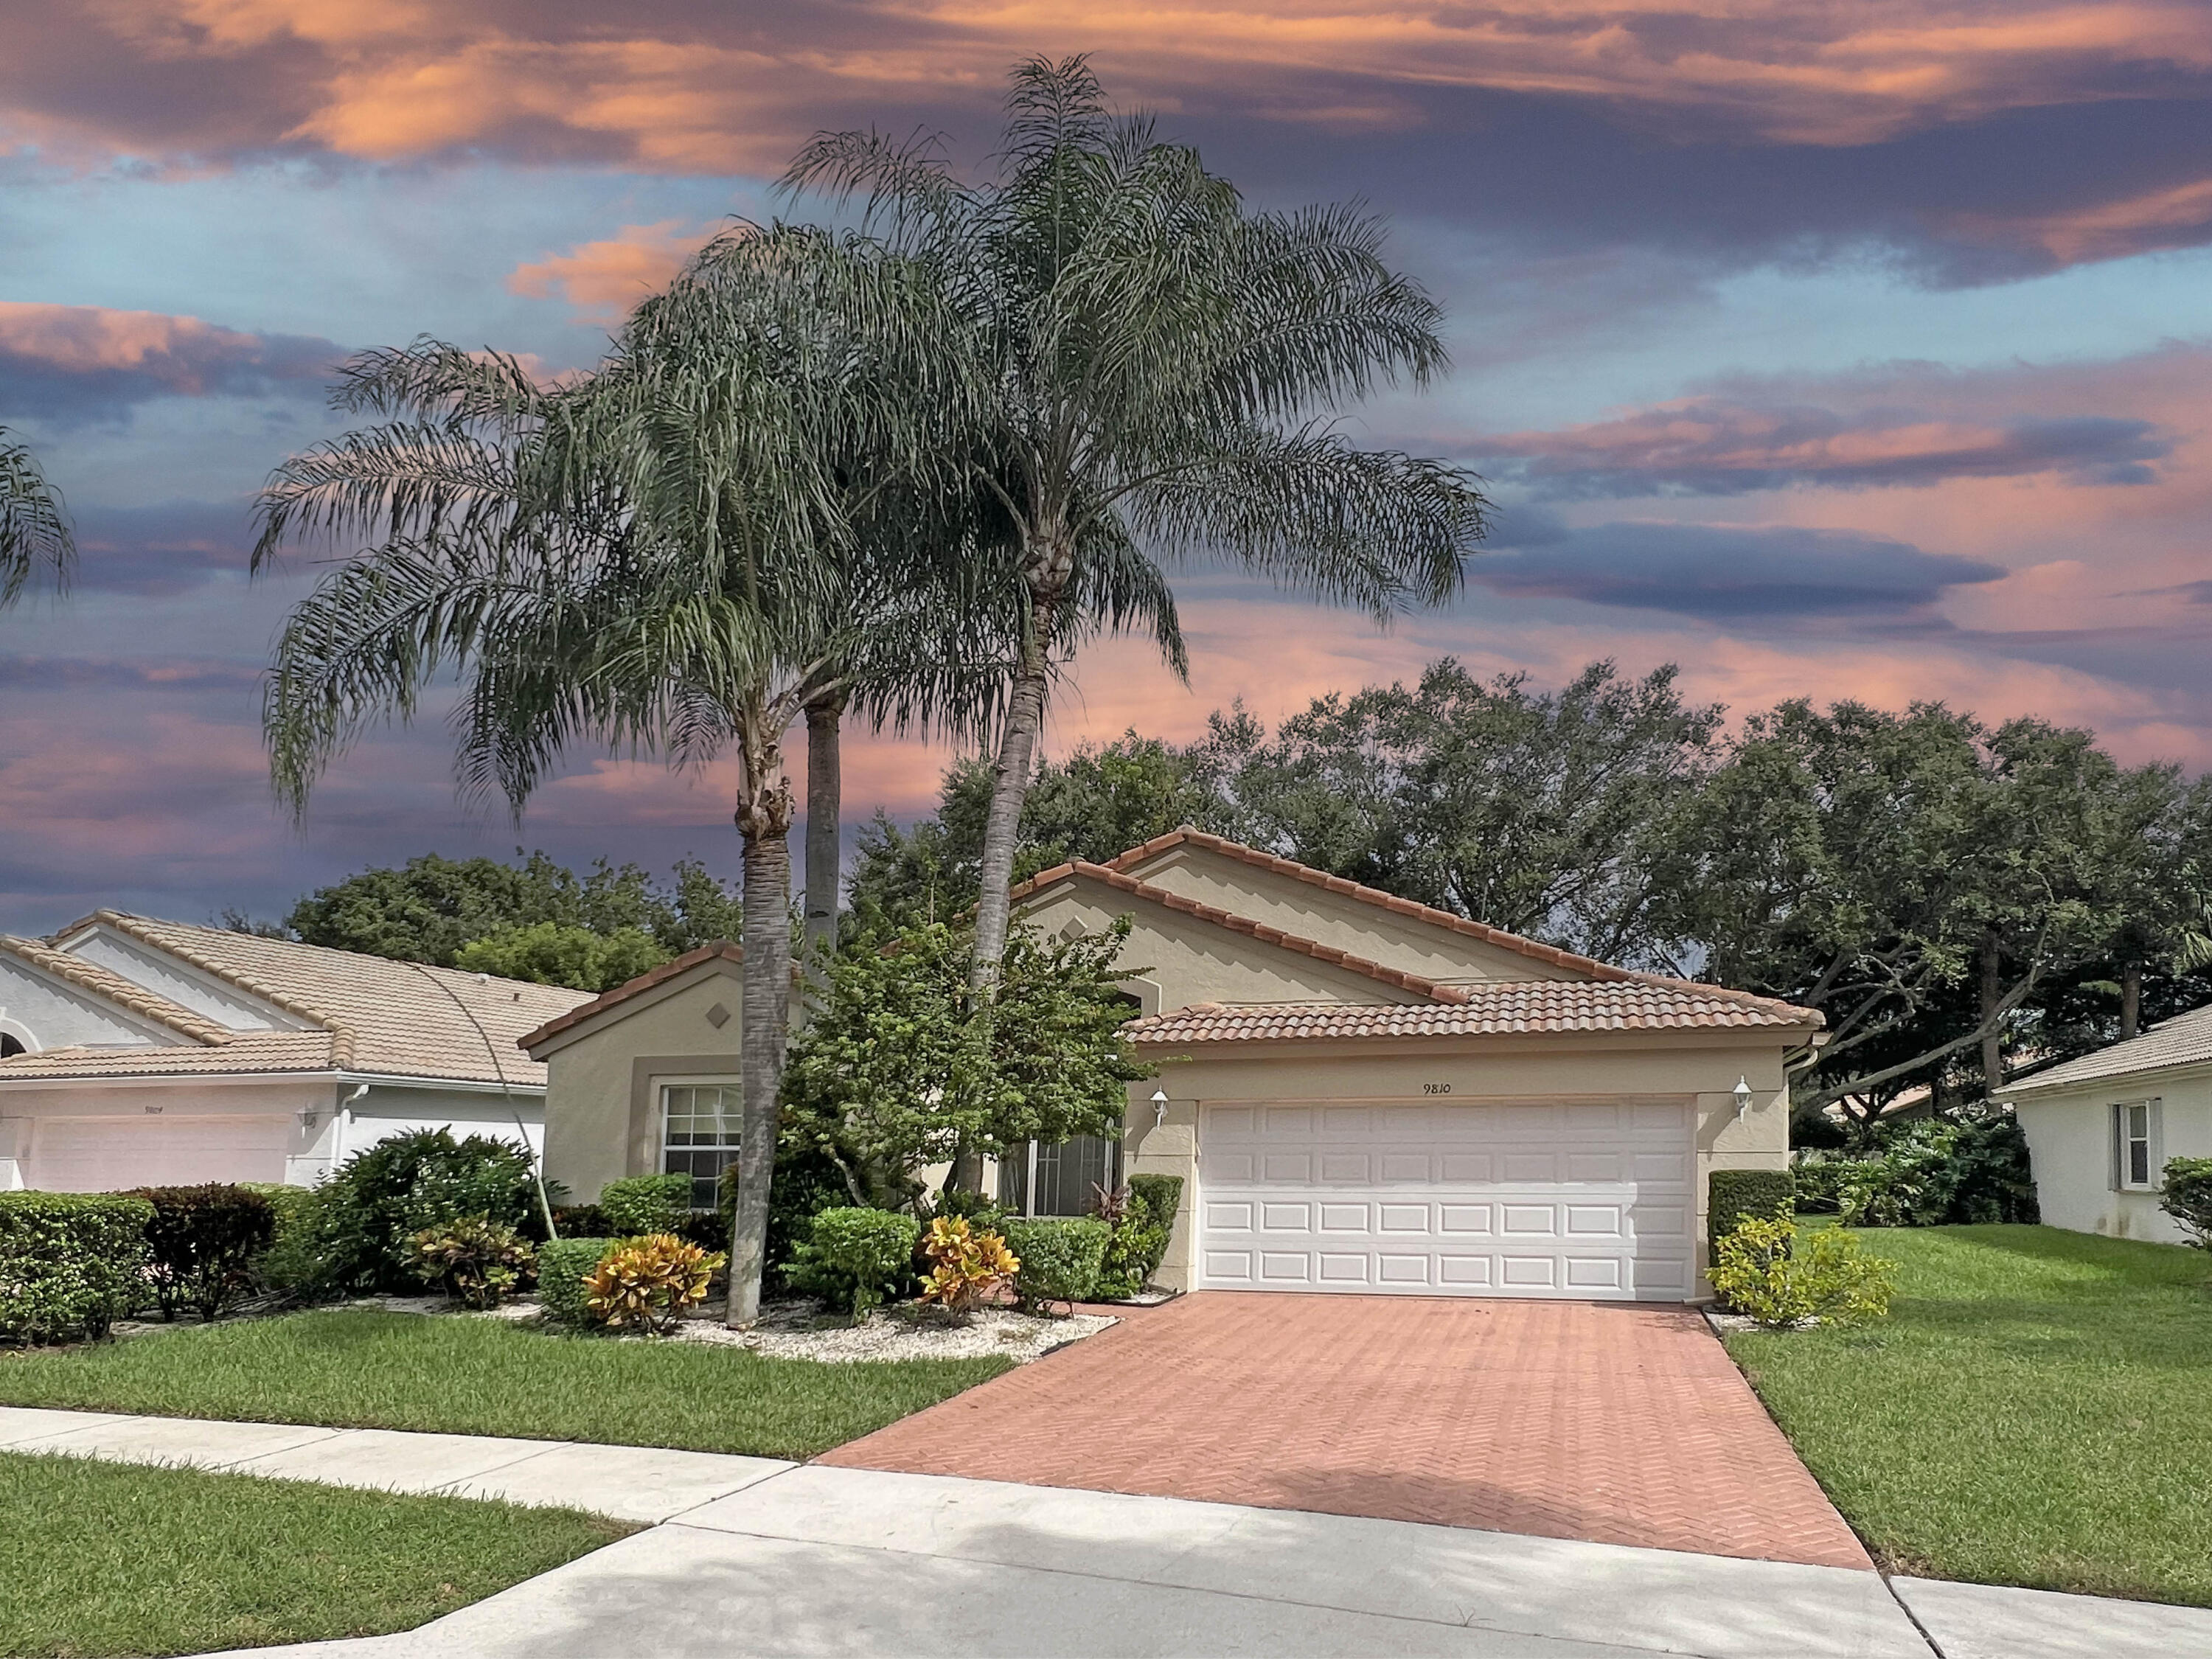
x=719, y=958
x=137, y=1015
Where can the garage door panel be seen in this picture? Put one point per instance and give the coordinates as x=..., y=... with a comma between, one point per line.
x=1580, y=1199
x=102, y=1154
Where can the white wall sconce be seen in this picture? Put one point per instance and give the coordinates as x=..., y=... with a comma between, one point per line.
x=1159, y=1107
x=1743, y=1093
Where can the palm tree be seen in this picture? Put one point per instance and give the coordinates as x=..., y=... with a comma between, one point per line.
x=659, y=556
x=35, y=535
x=1150, y=366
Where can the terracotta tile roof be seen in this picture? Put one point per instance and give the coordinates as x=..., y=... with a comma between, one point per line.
x=622, y=993
x=1396, y=977
x=256, y=1052
x=113, y=988
x=372, y=1014
x=1500, y=1008
x=2184, y=1040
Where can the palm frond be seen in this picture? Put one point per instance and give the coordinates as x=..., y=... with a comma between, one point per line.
x=34, y=531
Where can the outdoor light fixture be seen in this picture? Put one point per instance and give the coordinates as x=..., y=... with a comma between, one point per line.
x=1159, y=1107
x=1742, y=1092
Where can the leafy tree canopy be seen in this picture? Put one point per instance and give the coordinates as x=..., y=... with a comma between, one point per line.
x=550, y=953
x=431, y=907
x=894, y=1072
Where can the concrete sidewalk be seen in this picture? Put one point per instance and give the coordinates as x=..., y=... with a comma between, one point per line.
x=756, y=1555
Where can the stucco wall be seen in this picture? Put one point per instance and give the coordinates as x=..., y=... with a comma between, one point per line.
x=46, y=1014
x=203, y=993
x=304, y=1108
x=603, y=1090
x=2070, y=1143
x=1478, y=1071
x=1309, y=911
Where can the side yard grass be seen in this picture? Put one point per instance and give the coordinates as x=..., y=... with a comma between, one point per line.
x=2034, y=1412
x=113, y=1558
x=364, y=1368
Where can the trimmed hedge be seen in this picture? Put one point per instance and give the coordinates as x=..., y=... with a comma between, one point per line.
x=855, y=1258
x=1139, y=1242
x=564, y=1265
x=71, y=1264
x=637, y=1205
x=203, y=1244
x=1733, y=1196
x=1061, y=1258
x=293, y=1261
x=1162, y=1193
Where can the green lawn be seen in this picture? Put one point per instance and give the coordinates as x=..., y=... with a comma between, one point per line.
x=363, y=1367
x=111, y=1559
x=2038, y=1411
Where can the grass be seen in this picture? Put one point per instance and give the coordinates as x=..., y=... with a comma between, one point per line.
x=111, y=1559
x=2037, y=1411
x=363, y=1367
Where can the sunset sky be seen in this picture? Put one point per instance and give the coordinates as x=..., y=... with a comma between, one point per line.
x=1828, y=349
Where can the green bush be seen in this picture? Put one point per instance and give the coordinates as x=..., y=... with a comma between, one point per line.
x=203, y=1244
x=854, y=1259
x=71, y=1264
x=1763, y=1270
x=564, y=1265
x=378, y=1200
x=805, y=1182
x=1732, y=1196
x=1936, y=1172
x=1818, y=1184
x=1061, y=1258
x=646, y=1204
x=649, y=1285
x=478, y=1263
x=2187, y=1197
x=1140, y=1220
x=1162, y=1194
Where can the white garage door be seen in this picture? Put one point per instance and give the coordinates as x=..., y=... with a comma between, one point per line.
x=1589, y=1200
x=102, y=1154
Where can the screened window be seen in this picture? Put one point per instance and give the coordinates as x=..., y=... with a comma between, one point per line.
x=699, y=1135
x=1060, y=1179
x=2135, y=1122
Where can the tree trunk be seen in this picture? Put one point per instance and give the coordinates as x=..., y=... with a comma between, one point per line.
x=1992, y=994
x=824, y=847
x=2130, y=1000
x=1009, y=789
x=764, y=822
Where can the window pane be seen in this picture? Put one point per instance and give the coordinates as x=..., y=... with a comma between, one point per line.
x=1069, y=1174
x=699, y=1136
x=2138, y=1163
x=2139, y=1121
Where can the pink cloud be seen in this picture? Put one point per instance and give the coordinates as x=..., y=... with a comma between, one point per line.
x=604, y=280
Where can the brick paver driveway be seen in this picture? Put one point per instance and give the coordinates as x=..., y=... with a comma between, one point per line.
x=1620, y=1423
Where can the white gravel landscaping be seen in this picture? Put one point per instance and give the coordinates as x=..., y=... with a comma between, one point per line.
x=798, y=1331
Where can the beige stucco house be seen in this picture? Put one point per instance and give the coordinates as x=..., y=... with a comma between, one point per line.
x=137, y=1052
x=2100, y=1128
x=1361, y=1094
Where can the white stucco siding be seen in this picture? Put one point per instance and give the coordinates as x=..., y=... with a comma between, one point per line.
x=2071, y=1147
x=96, y=1137
x=165, y=977
x=45, y=1013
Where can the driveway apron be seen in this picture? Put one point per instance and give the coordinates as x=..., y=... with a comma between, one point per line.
x=1614, y=1423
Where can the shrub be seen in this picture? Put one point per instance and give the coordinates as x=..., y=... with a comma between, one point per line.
x=1734, y=1196
x=563, y=1265
x=581, y=1221
x=1059, y=1259
x=1936, y=1172
x=202, y=1244
x=70, y=1263
x=805, y=1182
x=648, y=1284
x=295, y=1260
x=379, y=1199
x=2187, y=1197
x=477, y=1262
x=1138, y=1240
x=1818, y=1183
x=1162, y=1193
x=980, y=1211
x=1825, y=1277
x=854, y=1259
x=965, y=1264
x=646, y=1204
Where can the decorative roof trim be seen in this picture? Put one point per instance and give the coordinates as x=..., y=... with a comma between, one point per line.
x=720, y=950
x=113, y=988
x=1396, y=977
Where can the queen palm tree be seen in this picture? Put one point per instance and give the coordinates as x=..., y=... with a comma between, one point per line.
x=660, y=556
x=1151, y=367
x=34, y=535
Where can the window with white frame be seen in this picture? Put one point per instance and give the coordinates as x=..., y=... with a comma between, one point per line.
x=1038, y=1178
x=2135, y=1127
x=699, y=1135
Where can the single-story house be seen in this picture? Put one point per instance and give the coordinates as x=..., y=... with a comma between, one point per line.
x=1361, y=1093
x=136, y=1052
x=2100, y=1128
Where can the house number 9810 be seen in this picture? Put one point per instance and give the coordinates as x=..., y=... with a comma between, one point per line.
x=1435, y=1088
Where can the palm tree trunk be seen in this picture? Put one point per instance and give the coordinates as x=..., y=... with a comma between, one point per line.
x=764, y=823
x=1009, y=789
x=824, y=849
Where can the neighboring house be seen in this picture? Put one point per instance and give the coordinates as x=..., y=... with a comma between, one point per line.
x=2100, y=1128
x=1360, y=1093
x=137, y=1052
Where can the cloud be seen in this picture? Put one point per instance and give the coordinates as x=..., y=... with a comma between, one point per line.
x=604, y=280
x=160, y=551
x=1722, y=573
x=1716, y=446
x=67, y=365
